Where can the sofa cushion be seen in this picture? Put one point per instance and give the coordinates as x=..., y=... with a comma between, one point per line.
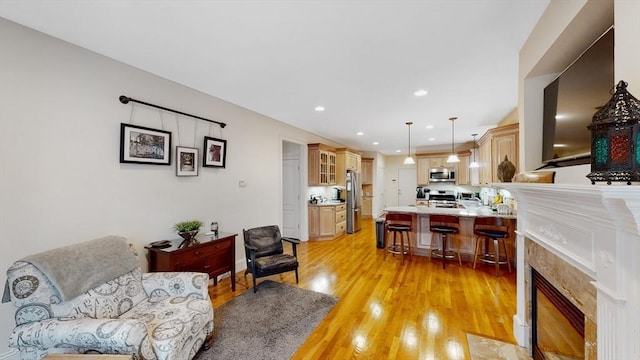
x=36, y=298
x=174, y=324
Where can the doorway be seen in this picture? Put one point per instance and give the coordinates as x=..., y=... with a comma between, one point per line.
x=291, y=177
x=407, y=183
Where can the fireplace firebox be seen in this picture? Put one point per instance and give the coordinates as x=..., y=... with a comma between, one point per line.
x=558, y=325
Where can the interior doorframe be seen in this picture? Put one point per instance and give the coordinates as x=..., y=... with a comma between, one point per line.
x=304, y=217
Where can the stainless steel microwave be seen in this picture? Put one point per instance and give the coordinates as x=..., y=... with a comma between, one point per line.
x=442, y=174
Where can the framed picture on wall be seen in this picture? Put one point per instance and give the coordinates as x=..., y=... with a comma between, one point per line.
x=215, y=152
x=186, y=161
x=142, y=145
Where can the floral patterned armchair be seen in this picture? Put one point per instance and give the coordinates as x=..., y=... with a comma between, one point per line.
x=149, y=315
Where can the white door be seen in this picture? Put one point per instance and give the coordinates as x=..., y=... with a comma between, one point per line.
x=407, y=183
x=291, y=198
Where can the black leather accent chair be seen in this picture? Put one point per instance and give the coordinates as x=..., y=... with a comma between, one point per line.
x=265, y=253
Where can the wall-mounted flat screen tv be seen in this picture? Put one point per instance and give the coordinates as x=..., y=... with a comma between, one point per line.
x=572, y=99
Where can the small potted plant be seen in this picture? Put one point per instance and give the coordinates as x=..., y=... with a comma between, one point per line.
x=188, y=229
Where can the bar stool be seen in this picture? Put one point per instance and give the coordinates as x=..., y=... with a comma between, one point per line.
x=491, y=228
x=399, y=224
x=444, y=226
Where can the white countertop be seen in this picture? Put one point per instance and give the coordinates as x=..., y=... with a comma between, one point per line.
x=329, y=203
x=467, y=212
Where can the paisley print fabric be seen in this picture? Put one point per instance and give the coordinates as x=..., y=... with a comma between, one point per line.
x=151, y=315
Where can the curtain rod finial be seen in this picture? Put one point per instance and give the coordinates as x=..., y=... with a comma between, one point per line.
x=124, y=99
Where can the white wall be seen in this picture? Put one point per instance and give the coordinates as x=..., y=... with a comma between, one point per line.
x=564, y=31
x=61, y=181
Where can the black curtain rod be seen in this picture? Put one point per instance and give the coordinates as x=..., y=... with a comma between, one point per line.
x=126, y=99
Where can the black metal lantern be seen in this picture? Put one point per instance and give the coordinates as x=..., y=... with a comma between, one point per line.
x=615, y=139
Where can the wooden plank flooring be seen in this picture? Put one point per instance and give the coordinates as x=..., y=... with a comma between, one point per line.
x=392, y=311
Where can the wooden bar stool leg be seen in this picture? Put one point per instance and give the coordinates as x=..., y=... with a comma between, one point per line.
x=496, y=250
x=479, y=241
x=444, y=250
x=409, y=244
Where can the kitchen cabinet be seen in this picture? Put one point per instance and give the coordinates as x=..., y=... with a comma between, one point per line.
x=438, y=161
x=322, y=165
x=428, y=161
x=346, y=159
x=463, y=177
x=423, y=164
x=327, y=221
x=493, y=146
x=367, y=188
x=367, y=171
x=367, y=207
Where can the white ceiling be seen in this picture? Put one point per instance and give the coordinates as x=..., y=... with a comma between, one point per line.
x=361, y=60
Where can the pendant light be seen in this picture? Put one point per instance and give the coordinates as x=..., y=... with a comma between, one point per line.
x=409, y=160
x=453, y=158
x=474, y=164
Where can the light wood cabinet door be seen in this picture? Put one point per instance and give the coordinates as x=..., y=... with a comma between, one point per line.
x=438, y=162
x=504, y=145
x=423, y=164
x=327, y=220
x=321, y=165
x=332, y=168
x=314, y=222
x=367, y=171
x=346, y=160
x=494, y=145
x=367, y=207
x=485, y=162
x=463, y=177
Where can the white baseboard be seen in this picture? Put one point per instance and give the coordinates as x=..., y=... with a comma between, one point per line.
x=520, y=332
x=12, y=354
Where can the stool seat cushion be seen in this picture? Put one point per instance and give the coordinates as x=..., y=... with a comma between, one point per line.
x=492, y=233
x=398, y=227
x=444, y=229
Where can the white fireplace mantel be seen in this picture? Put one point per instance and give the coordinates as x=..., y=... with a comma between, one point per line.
x=596, y=229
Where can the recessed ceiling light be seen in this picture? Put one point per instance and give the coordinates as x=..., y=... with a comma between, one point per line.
x=319, y=108
x=429, y=126
x=375, y=143
x=431, y=139
x=359, y=133
x=421, y=92
x=398, y=151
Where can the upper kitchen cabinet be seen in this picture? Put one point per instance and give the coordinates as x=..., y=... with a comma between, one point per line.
x=346, y=159
x=493, y=146
x=464, y=174
x=422, y=169
x=322, y=165
x=367, y=171
x=429, y=161
x=367, y=188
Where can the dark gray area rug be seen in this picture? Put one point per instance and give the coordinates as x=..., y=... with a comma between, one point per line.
x=270, y=324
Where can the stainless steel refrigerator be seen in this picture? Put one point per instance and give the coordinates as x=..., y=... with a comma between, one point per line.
x=354, y=202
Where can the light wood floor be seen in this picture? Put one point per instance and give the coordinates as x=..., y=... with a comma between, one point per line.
x=392, y=311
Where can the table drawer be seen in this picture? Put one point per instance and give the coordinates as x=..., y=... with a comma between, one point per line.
x=201, y=253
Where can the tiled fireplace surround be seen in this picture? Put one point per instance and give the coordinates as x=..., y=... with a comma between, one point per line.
x=586, y=241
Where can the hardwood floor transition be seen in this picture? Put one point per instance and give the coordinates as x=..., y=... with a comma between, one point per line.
x=389, y=310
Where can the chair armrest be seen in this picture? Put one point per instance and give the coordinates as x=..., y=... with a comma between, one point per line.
x=291, y=240
x=252, y=248
x=110, y=335
x=185, y=284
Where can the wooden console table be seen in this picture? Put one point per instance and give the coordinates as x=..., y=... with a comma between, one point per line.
x=211, y=254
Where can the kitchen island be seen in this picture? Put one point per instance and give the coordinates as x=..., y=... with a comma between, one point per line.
x=421, y=236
